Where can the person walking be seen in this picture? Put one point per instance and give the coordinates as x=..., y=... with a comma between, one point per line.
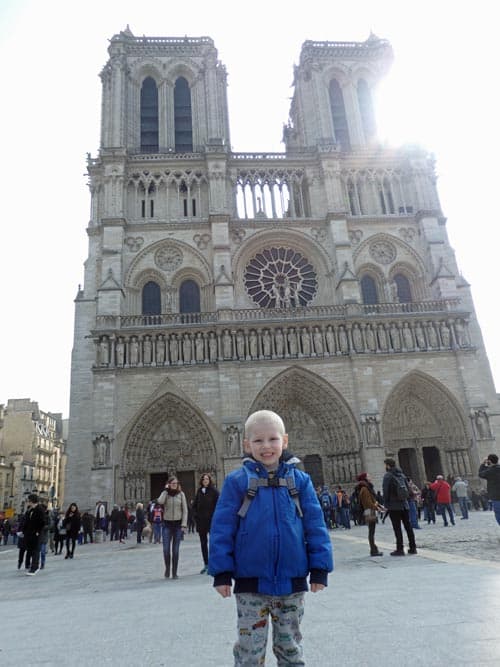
x=203, y=510
x=429, y=503
x=21, y=543
x=113, y=520
x=122, y=524
x=88, y=523
x=33, y=526
x=461, y=490
x=59, y=534
x=370, y=506
x=175, y=514
x=72, y=523
x=490, y=471
x=396, y=494
x=442, y=491
x=44, y=538
x=140, y=521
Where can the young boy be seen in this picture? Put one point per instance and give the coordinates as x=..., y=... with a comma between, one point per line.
x=268, y=534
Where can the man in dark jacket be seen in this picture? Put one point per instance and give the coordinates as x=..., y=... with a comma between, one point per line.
x=398, y=508
x=490, y=471
x=33, y=527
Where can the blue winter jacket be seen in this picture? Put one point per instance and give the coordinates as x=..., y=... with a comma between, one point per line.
x=272, y=543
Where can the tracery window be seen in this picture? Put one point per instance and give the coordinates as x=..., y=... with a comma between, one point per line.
x=149, y=116
x=366, y=109
x=151, y=299
x=183, y=121
x=279, y=277
x=369, y=290
x=404, y=288
x=189, y=297
x=339, y=118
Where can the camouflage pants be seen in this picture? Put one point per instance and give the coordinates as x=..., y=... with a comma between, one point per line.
x=254, y=611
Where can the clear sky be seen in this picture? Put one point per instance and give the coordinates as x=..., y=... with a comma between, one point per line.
x=440, y=93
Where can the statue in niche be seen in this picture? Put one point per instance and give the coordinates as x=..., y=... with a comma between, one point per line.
x=382, y=338
x=289, y=294
x=160, y=350
x=278, y=341
x=420, y=337
x=357, y=338
x=101, y=451
x=199, y=347
x=266, y=343
x=120, y=352
x=174, y=349
x=104, y=351
x=330, y=339
x=253, y=344
x=277, y=295
x=343, y=342
x=432, y=336
x=393, y=288
x=444, y=330
x=407, y=337
x=395, y=338
x=227, y=345
x=372, y=431
x=306, y=342
x=240, y=345
x=371, y=343
x=292, y=342
x=134, y=351
x=461, y=334
x=147, y=350
x=318, y=341
x=233, y=441
x=482, y=424
x=186, y=349
x=212, y=347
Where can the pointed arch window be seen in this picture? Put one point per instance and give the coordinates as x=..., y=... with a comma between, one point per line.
x=189, y=297
x=149, y=116
x=369, y=292
x=404, y=288
x=365, y=103
x=151, y=299
x=183, y=120
x=339, y=117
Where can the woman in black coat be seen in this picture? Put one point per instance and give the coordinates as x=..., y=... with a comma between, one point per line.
x=72, y=523
x=203, y=509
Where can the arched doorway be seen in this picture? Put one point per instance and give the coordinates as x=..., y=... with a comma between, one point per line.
x=425, y=428
x=320, y=426
x=168, y=438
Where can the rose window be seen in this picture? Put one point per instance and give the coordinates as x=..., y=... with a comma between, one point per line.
x=280, y=278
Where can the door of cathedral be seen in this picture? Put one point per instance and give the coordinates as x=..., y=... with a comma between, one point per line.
x=408, y=463
x=432, y=462
x=314, y=466
x=187, y=479
x=158, y=481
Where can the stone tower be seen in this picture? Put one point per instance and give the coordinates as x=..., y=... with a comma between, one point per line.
x=318, y=282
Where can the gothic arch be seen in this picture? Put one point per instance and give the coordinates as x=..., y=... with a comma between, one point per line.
x=169, y=433
x=420, y=413
x=414, y=278
x=360, y=253
x=318, y=420
x=186, y=68
x=146, y=67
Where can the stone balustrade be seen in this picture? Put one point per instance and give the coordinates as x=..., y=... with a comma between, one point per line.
x=192, y=344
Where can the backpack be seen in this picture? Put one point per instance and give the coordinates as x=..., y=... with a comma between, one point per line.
x=401, y=487
x=254, y=483
x=326, y=501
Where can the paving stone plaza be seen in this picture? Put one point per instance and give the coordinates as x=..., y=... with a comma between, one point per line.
x=112, y=606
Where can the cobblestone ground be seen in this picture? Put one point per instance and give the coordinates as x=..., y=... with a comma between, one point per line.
x=476, y=537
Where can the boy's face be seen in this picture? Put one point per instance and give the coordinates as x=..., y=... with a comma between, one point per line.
x=266, y=443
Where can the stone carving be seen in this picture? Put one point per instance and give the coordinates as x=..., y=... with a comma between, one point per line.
x=147, y=351
x=407, y=234
x=253, y=344
x=279, y=342
x=393, y=289
x=104, y=351
x=134, y=351
x=407, y=337
x=481, y=422
x=355, y=236
x=330, y=340
x=134, y=243
x=432, y=335
x=266, y=343
x=343, y=342
x=371, y=429
x=238, y=235
x=222, y=277
x=461, y=334
x=120, y=352
x=160, y=350
x=382, y=338
x=319, y=235
x=444, y=330
x=101, y=446
x=212, y=347
x=227, y=345
x=370, y=338
x=202, y=240
x=292, y=342
x=357, y=339
x=306, y=342
x=318, y=341
x=168, y=258
x=395, y=338
x=186, y=349
x=233, y=446
x=420, y=337
x=383, y=252
x=199, y=345
x=174, y=349
x=240, y=344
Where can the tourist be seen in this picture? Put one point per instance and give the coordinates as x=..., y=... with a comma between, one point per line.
x=442, y=491
x=175, y=513
x=370, y=506
x=72, y=523
x=203, y=509
x=34, y=523
x=396, y=494
x=460, y=488
x=140, y=520
x=490, y=471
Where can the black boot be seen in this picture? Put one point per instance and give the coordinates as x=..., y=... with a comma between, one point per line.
x=175, y=562
x=166, y=558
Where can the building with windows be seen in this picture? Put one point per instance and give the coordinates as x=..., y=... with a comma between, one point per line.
x=31, y=454
x=318, y=282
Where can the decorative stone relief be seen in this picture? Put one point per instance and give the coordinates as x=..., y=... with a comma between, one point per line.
x=383, y=252
x=101, y=451
x=168, y=258
x=238, y=235
x=202, y=240
x=134, y=243
x=481, y=423
x=319, y=235
x=355, y=236
x=233, y=440
x=371, y=429
x=407, y=234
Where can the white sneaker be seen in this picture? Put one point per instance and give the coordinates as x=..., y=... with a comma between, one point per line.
x=32, y=573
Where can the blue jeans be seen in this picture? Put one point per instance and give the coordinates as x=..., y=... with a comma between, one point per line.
x=344, y=517
x=443, y=507
x=496, y=509
x=43, y=553
x=413, y=514
x=463, y=507
x=157, y=528
x=171, y=537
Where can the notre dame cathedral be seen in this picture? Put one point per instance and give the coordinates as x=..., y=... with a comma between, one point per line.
x=318, y=282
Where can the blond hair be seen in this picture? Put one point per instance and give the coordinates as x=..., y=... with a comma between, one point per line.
x=264, y=416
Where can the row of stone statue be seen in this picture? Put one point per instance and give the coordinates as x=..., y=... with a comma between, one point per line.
x=280, y=342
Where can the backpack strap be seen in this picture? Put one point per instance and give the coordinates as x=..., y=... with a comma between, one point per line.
x=255, y=482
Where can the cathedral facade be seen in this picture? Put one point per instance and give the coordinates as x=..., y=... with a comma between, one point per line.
x=318, y=282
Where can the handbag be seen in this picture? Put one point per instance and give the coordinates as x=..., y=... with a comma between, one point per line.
x=370, y=515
